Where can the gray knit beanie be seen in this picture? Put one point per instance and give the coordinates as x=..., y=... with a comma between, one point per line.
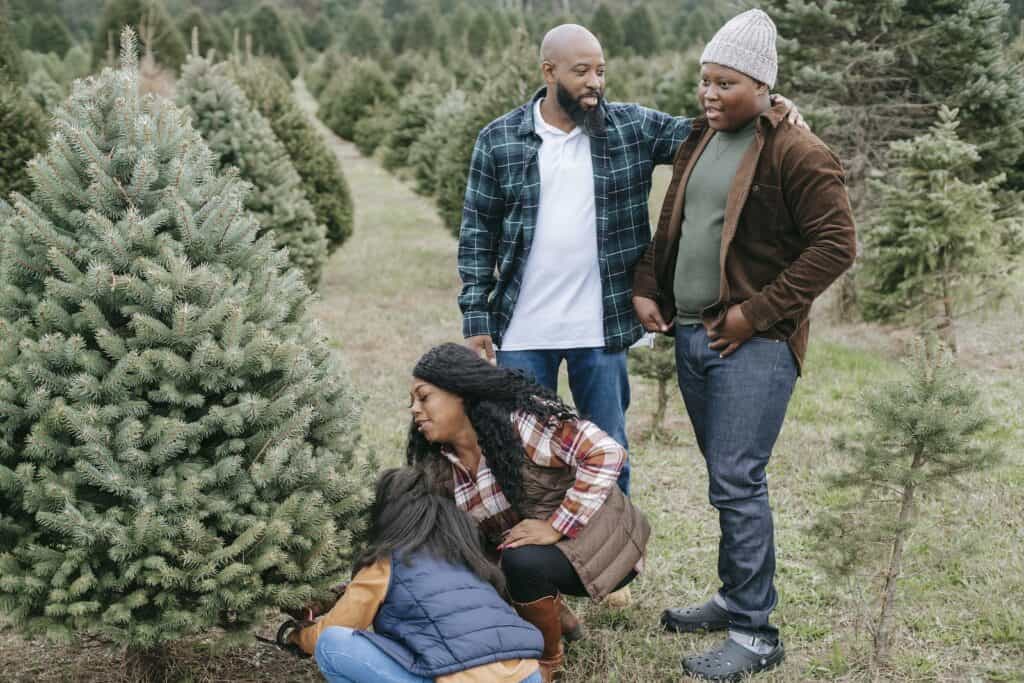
x=747, y=44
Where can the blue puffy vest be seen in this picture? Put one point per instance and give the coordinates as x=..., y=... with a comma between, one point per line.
x=438, y=618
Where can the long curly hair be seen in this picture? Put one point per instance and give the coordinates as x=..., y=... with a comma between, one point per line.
x=411, y=515
x=489, y=394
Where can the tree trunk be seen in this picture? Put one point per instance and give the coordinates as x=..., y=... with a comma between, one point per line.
x=947, y=330
x=846, y=298
x=883, y=630
x=147, y=665
x=659, y=410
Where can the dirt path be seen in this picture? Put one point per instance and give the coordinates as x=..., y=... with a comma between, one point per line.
x=389, y=293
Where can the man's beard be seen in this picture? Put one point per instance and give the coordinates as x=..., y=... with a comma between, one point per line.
x=590, y=120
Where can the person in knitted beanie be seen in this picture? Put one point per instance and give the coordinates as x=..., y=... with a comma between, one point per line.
x=758, y=225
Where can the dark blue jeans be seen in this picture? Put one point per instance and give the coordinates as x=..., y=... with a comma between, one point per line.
x=737, y=405
x=599, y=382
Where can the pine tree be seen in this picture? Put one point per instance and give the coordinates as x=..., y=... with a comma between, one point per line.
x=938, y=246
x=638, y=31
x=11, y=67
x=867, y=73
x=240, y=136
x=164, y=39
x=49, y=34
x=445, y=123
x=323, y=181
x=352, y=93
x=496, y=97
x=657, y=363
x=922, y=430
x=675, y=88
x=373, y=128
x=177, y=448
x=77, y=62
x=478, y=37
x=362, y=38
x=45, y=91
x=210, y=33
x=23, y=131
x=270, y=37
x=607, y=29
x=414, y=114
x=423, y=36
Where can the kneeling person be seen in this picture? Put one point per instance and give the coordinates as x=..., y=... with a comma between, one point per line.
x=432, y=597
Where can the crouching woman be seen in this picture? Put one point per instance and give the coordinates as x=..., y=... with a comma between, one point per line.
x=538, y=479
x=432, y=597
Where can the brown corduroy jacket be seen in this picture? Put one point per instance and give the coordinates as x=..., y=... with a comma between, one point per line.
x=788, y=230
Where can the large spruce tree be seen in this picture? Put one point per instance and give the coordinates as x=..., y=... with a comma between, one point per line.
x=177, y=436
x=241, y=137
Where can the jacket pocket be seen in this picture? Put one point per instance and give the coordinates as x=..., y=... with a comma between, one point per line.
x=764, y=212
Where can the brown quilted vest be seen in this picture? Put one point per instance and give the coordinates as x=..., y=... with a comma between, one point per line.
x=611, y=543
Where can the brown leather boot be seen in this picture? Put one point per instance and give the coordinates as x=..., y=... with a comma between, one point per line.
x=544, y=614
x=572, y=629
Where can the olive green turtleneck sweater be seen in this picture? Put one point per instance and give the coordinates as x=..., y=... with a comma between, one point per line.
x=696, y=282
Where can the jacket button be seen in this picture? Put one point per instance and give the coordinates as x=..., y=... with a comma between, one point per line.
x=754, y=188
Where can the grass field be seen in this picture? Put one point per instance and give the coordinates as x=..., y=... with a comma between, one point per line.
x=389, y=294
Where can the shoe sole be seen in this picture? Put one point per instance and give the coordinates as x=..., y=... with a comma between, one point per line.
x=735, y=677
x=693, y=627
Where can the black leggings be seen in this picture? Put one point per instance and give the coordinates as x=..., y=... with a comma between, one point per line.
x=537, y=571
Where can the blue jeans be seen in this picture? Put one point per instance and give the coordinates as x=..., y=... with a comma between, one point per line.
x=598, y=379
x=345, y=657
x=737, y=405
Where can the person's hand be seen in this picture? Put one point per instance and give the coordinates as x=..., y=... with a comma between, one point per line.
x=731, y=333
x=793, y=116
x=530, y=532
x=318, y=607
x=649, y=314
x=484, y=347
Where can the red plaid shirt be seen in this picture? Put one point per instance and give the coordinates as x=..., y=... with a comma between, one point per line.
x=579, y=444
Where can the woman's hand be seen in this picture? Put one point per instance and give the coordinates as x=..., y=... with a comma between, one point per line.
x=530, y=532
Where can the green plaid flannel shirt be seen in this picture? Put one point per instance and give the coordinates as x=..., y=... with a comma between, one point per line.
x=499, y=213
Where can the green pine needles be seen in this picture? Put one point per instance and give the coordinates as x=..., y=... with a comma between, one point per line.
x=240, y=136
x=176, y=437
x=322, y=178
x=922, y=430
x=939, y=246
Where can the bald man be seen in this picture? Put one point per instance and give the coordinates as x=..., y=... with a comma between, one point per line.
x=554, y=220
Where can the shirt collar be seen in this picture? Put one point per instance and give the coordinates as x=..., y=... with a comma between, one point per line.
x=542, y=127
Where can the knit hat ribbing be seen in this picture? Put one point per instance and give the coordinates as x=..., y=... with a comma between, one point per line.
x=747, y=44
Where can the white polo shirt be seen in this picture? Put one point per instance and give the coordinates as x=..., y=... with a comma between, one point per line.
x=559, y=304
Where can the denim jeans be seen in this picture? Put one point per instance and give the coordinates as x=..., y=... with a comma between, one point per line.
x=345, y=657
x=737, y=405
x=598, y=379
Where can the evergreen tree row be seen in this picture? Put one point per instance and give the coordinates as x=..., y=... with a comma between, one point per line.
x=241, y=137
